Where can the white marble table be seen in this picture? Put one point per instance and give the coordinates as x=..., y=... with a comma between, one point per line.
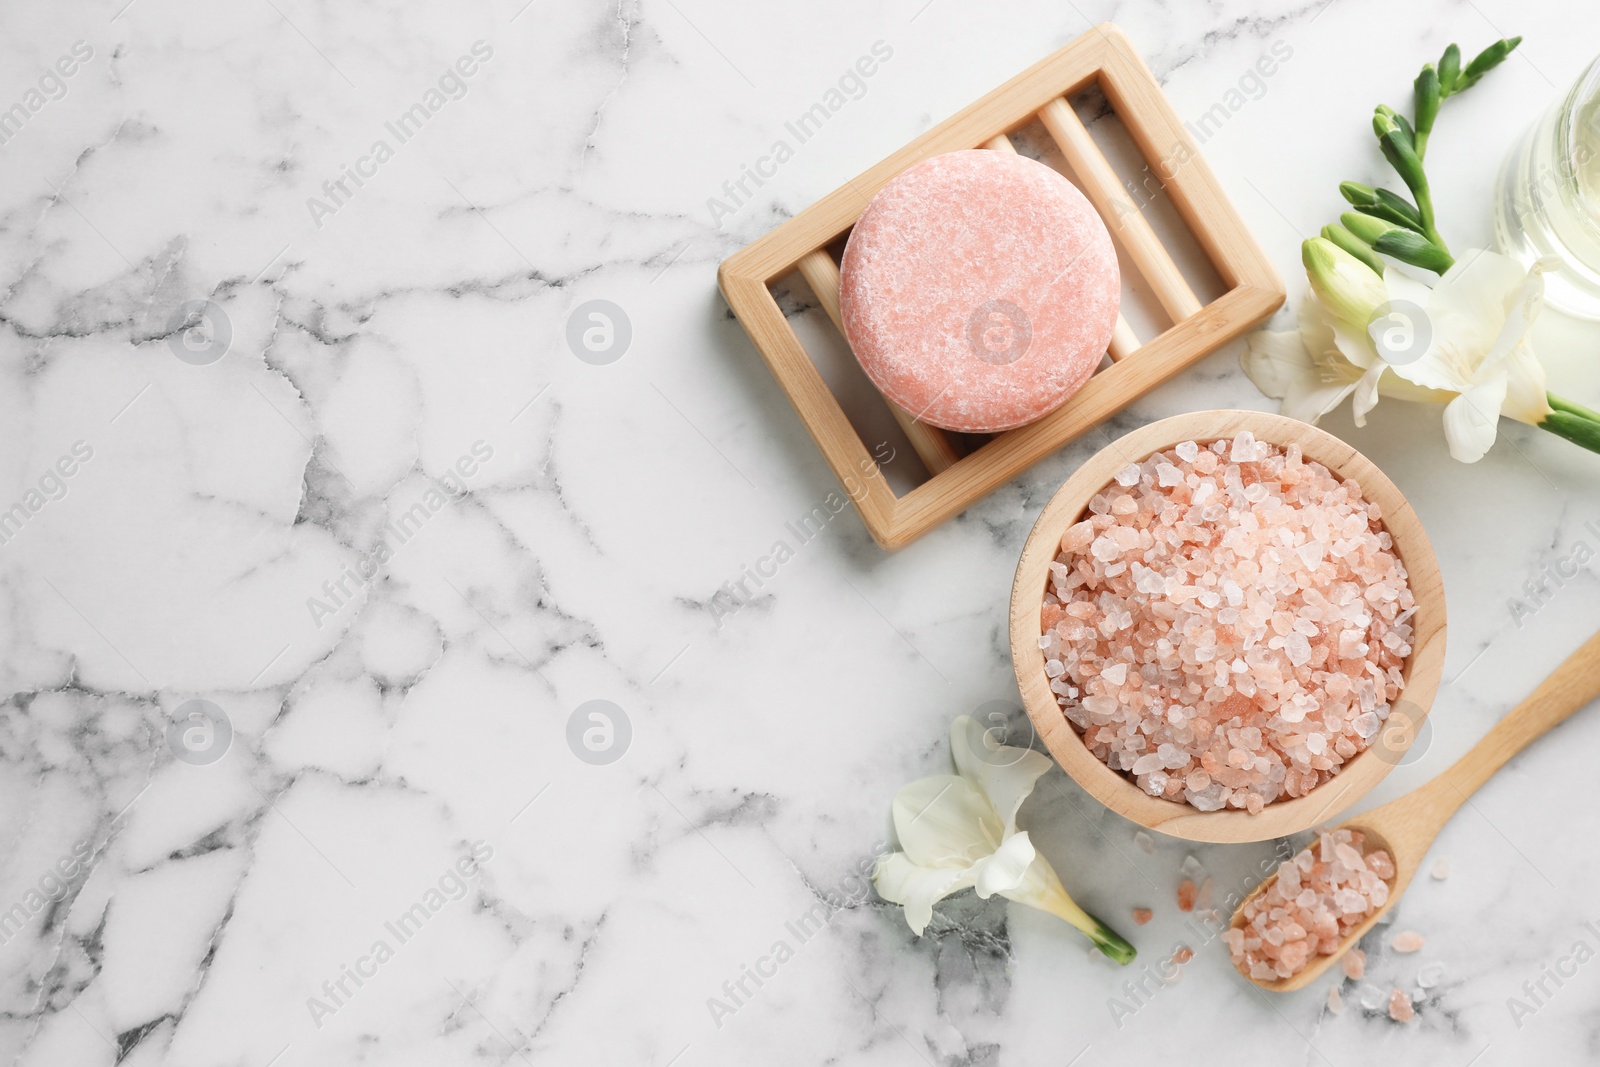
x=397, y=535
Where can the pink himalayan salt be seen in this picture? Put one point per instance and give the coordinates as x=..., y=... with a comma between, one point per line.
x=1307, y=909
x=1335, y=1001
x=1407, y=941
x=1183, y=955
x=1186, y=895
x=1142, y=915
x=1400, y=1009
x=1355, y=964
x=1227, y=624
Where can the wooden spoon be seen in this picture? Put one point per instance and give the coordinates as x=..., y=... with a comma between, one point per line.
x=1406, y=827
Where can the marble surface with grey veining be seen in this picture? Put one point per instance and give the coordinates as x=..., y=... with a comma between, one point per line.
x=325, y=521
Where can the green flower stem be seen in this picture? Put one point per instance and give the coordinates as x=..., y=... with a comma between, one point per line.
x=1573, y=422
x=1112, y=944
x=1572, y=409
x=1043, y=890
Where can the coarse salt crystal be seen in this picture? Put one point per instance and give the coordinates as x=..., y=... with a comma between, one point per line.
x=1400, y=1008
x=1441, y=870
x=1297, y=917
x=1406, y=941
x=1228, y=601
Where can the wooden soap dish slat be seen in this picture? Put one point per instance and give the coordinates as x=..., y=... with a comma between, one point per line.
x=931, y=444
x=1102, y=56
x=1122, y=217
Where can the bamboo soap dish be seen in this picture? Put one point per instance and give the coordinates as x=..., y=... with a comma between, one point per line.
x=1104, y=57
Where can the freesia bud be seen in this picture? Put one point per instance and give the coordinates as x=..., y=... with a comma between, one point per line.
x=1353, y=244
x=1366, y=227
x=1347, y=286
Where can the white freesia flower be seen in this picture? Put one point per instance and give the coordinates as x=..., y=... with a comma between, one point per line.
x=960, y=830
x=1462, y=342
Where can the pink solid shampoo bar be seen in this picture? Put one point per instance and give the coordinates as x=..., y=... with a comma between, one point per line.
x=979, y=290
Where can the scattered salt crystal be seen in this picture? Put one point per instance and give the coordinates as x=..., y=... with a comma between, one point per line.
x=1430, y=975
x=1192, y=868
x=1400, y=1009
x=1441, y=870
x=1186, y=895
x=1335, y=1001
x=1183, y=955
x=1145, y=842
x=1370, y=996
x=1142, y=915
x=1355, y=963
x=1406, y=941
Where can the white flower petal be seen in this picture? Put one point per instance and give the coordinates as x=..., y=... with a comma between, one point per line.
x=1366, y=393
x=1472, y=419
x=1006, y=868
x=1003, y=773
x=1527, y=392
x=915, y=888
x=1277, y=361
x=945, y=822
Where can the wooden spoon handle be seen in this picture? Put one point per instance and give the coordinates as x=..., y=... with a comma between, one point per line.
x=1570, y=687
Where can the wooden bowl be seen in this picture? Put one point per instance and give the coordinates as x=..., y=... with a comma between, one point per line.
x=1120, y=793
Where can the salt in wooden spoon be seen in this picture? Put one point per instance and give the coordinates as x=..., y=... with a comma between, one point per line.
x=1406, y=827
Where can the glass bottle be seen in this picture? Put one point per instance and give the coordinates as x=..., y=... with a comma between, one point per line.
x=1547, y=198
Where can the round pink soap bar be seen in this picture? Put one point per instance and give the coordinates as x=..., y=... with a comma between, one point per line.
x=979, y=290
